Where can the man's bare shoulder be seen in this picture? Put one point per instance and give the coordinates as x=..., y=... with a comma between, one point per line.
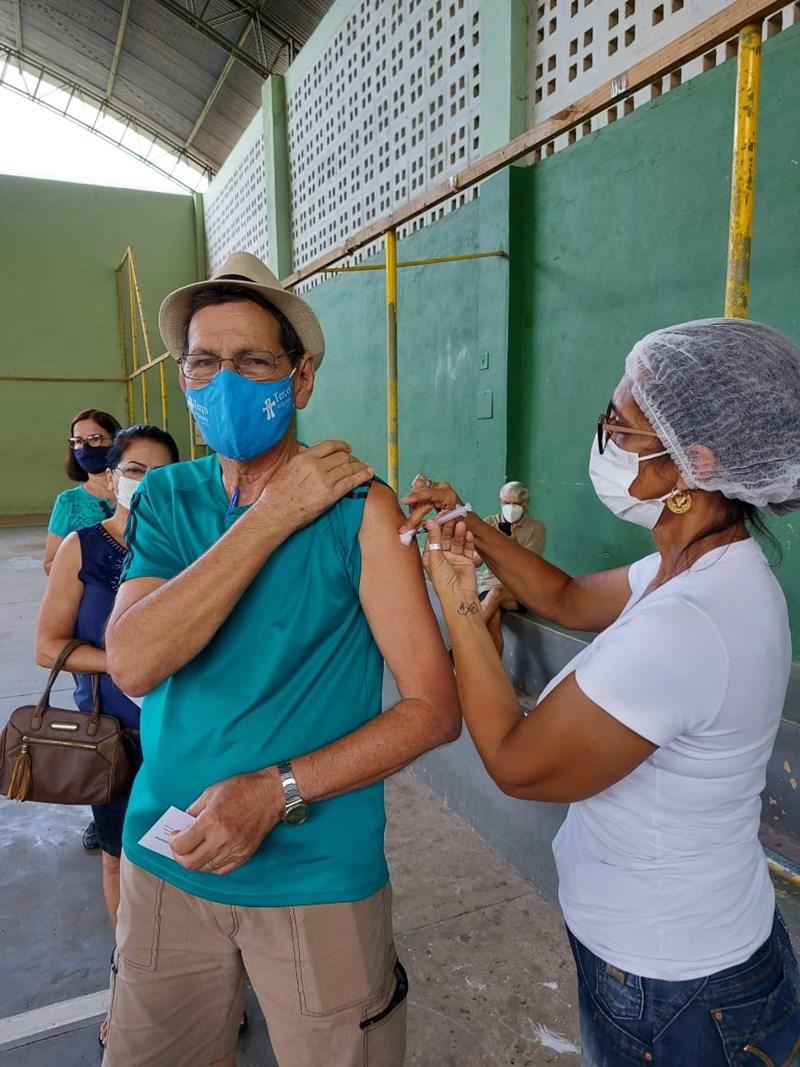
x=382, y=512
x=391, y=570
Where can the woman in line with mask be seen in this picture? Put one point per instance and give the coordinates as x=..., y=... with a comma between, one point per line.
x=91, y=433
x=528, y=532
x=658, y=733
x=78, y=601
x=91, y=501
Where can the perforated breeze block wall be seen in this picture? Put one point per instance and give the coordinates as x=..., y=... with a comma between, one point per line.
x=619, y=235
x=390, y=107
x=574, y=46
x=235, y=203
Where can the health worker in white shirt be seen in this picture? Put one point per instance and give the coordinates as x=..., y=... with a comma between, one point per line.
x=659, y=732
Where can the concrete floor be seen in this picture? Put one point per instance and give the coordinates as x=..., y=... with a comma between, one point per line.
x=492, y=983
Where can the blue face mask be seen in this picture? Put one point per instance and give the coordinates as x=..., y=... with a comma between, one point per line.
x=92, y=460
x=240, y=418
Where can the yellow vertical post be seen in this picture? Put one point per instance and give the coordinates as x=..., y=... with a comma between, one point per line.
x=123, y=347
x=743, y=174
x=162, y=373
x=134, y=340
x=391, y=357
x=148, y=348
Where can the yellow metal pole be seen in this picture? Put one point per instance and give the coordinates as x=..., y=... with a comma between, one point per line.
x=148, y=350
x=123, y=346
x=743, y=175
x=391, y=356
x=134, y=342
x=415, y=262
x=162, y=373
x=162, y=369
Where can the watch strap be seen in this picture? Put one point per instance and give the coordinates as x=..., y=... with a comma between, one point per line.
x=291, y=792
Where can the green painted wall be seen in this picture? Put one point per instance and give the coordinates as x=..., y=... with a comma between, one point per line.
x=58, y=315
x=450, y=315
x=622, y=234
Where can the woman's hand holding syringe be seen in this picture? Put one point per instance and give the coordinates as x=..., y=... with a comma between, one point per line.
x=407, y=536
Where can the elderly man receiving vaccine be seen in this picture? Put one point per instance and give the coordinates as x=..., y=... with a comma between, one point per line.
x=265, y=586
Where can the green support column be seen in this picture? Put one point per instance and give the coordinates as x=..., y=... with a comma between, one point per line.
x=504, y=73
x=201, y=256
x=504, y=115
x=276, y=158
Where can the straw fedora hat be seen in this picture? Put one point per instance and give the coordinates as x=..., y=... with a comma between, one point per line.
x=245, y=270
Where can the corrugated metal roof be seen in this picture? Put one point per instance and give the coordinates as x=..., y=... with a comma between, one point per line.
x=172, y=56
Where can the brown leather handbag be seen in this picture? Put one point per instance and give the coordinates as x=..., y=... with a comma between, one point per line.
x=63, y=757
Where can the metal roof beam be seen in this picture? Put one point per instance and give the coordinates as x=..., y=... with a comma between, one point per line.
x=201, y=118
x=219, y=39
x=261, y=48
x=269, y=23
x=222, y=20
x=112, y=74
x=18, y=23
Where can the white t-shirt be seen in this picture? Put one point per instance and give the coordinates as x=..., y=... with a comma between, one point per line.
x=662, y=874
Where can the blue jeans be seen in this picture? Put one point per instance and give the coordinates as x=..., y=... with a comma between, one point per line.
x=109, y=818
x=740, y=1017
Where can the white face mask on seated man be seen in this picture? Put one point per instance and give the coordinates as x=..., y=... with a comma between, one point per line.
x=512, y=512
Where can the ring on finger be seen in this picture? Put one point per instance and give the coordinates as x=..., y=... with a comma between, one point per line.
x=435, y=548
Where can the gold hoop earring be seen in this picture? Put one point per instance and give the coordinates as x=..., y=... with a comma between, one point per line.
x=679, y=501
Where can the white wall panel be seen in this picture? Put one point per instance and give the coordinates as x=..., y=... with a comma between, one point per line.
x=390, y=107
x=235, y=202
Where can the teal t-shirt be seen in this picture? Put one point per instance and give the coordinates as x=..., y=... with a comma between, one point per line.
x=75, y=508
x=293, y=668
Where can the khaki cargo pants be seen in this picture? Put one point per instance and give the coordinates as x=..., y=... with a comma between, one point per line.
x=326, y=976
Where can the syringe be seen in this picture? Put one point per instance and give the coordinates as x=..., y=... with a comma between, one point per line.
x=445, y=516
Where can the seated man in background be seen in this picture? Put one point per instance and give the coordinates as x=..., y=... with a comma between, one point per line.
x=526, y=531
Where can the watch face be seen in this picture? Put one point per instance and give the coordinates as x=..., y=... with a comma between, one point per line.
x=296, y=814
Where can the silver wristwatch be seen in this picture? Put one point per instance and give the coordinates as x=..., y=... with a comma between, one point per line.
x=295, y=810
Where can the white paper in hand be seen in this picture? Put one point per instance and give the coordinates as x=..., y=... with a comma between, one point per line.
x=157, y=838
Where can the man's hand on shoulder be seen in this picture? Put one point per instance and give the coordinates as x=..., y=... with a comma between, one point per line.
x=311, y=483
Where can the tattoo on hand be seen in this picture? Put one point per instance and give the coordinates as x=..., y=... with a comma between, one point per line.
x=467, y=609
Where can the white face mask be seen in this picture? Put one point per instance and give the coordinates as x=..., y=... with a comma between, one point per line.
x=126, y=487
x=512, y=512
x=613, y=472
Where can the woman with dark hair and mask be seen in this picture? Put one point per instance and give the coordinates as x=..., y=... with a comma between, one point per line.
x=91, y=433
x=659, y=732
x=78, y=601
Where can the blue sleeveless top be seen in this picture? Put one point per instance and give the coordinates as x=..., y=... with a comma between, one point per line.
x=101, y=562
x=293, y=668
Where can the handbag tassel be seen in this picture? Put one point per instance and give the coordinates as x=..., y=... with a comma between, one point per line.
x=22, y=775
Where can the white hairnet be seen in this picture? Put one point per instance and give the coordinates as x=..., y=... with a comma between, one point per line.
x=732, y=387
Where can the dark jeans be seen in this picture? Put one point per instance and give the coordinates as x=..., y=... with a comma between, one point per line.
x=110, y=818
x=740, y=1017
